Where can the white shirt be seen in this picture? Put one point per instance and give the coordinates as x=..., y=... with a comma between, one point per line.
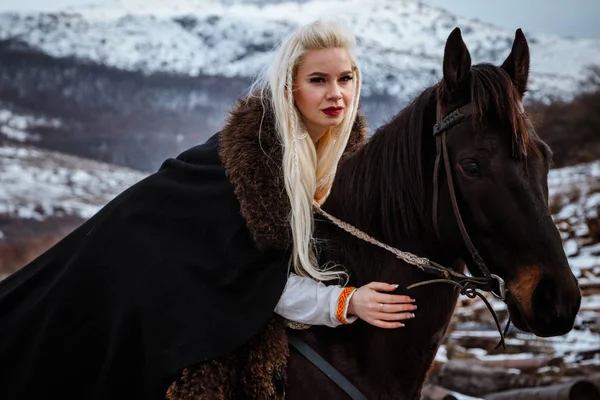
x=308, y=301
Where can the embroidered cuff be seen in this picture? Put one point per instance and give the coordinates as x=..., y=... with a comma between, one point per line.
x=342, y=305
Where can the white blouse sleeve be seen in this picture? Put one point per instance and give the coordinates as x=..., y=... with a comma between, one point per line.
x=308, y=301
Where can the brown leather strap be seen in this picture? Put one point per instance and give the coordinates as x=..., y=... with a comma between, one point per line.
x=461, y=226
x=443, y=124
x=436, y=173
x=440, y=129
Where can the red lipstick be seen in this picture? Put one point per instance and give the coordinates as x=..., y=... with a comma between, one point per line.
x=333, y=111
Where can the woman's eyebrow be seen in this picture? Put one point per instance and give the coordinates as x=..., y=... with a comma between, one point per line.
x=316, y=73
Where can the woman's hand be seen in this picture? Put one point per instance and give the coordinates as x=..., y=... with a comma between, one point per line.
x=381, y=309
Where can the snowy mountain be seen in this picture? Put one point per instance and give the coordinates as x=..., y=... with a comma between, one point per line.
x=132, y=82
x=400, y=41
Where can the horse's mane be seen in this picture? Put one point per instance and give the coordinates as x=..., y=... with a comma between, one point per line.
x=388, y=171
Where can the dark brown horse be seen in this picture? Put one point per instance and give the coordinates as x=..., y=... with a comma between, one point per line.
x=499, y=168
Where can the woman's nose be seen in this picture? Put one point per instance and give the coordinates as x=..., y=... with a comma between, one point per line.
x=334, y=92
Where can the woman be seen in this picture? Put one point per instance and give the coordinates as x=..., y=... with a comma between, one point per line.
x=188, y=265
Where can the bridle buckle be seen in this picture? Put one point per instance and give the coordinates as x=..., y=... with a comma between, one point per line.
x=501, y=287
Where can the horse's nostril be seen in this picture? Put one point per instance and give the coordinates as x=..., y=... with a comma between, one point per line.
x=554, y=308
x=544, y=298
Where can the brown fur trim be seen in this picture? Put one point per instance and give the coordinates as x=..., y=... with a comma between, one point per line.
x=255, y=371
x=208, y=381
x=253, y=165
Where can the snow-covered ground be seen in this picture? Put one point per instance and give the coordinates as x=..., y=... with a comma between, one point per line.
x=575, y=191
x=15, y=126
x=39, y=183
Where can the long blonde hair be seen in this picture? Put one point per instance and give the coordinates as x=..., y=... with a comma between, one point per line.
x=308, y=170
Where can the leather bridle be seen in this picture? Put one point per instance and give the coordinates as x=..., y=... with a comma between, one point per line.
x=440, y=129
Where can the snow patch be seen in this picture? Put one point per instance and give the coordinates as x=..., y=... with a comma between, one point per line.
x=38, y=184
x=15, y=126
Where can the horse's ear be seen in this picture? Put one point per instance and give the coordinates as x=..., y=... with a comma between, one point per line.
x=517, y=62
x=457, y=61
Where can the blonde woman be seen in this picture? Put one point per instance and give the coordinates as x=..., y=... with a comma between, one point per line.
x=189, y=264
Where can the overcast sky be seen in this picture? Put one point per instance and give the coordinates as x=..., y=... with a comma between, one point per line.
x=576, y=18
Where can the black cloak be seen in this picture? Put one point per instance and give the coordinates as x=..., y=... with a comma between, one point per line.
x=185, y=266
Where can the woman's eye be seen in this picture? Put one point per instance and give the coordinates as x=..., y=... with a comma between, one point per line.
x=317, y=80
x=346, y=78
x=470, y=167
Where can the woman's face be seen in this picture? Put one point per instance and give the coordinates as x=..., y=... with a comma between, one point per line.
x=323, y=89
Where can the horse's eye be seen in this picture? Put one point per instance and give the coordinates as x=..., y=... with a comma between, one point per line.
x=470, y=167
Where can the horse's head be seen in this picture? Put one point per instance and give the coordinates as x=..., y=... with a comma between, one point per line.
x=499, y=168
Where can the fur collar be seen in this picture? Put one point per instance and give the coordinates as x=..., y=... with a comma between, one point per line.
x=253, y=166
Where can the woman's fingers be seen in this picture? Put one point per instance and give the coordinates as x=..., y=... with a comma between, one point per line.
x=384, y=310
x=386, y=324
x=391, y=321
x=396, y=308
x=392, y=298
x=394, y=316
x=382, y=286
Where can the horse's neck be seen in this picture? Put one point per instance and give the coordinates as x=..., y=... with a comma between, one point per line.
x=381, y=360
x=356, y=200
x=391, y=361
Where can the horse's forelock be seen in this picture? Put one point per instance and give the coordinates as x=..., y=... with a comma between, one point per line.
x=496, y=100
x=495, y=96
